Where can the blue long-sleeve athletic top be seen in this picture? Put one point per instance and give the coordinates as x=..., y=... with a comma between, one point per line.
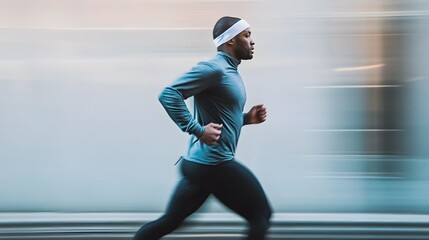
x=219, y=97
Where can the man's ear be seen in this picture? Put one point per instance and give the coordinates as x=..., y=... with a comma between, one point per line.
x=231, y=42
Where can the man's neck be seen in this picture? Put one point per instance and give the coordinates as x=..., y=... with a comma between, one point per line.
x=228, y=51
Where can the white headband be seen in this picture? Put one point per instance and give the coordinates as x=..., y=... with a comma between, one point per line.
x=231, y=32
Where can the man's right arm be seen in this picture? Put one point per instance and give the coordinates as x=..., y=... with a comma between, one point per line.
x=174, y=103
x=173, y=97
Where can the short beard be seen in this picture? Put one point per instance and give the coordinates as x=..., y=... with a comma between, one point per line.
x=243, y=55
x=247, y=56
x=250, y=57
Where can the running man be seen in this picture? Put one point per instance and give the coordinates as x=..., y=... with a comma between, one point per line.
x=209, y=166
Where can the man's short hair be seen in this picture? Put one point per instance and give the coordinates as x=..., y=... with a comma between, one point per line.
x=223, y=24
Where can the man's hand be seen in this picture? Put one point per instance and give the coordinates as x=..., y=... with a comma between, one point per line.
x=211, y=133
x=257, y=114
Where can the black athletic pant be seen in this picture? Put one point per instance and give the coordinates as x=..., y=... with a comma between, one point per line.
x=232, y=183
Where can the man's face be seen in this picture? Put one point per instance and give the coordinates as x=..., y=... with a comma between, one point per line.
x=244, y=45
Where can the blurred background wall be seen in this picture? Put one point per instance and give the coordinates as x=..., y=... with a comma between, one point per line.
x=345, y=83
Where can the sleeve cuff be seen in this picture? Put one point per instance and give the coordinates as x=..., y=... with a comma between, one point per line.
x=244, y=119
x=198, y=132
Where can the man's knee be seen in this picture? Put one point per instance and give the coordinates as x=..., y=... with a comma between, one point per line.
x=264, y=222
x=268, y=214
x=259, y=226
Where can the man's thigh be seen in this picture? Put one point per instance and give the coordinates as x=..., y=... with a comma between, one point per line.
x=186, y=199
x=238, y=188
